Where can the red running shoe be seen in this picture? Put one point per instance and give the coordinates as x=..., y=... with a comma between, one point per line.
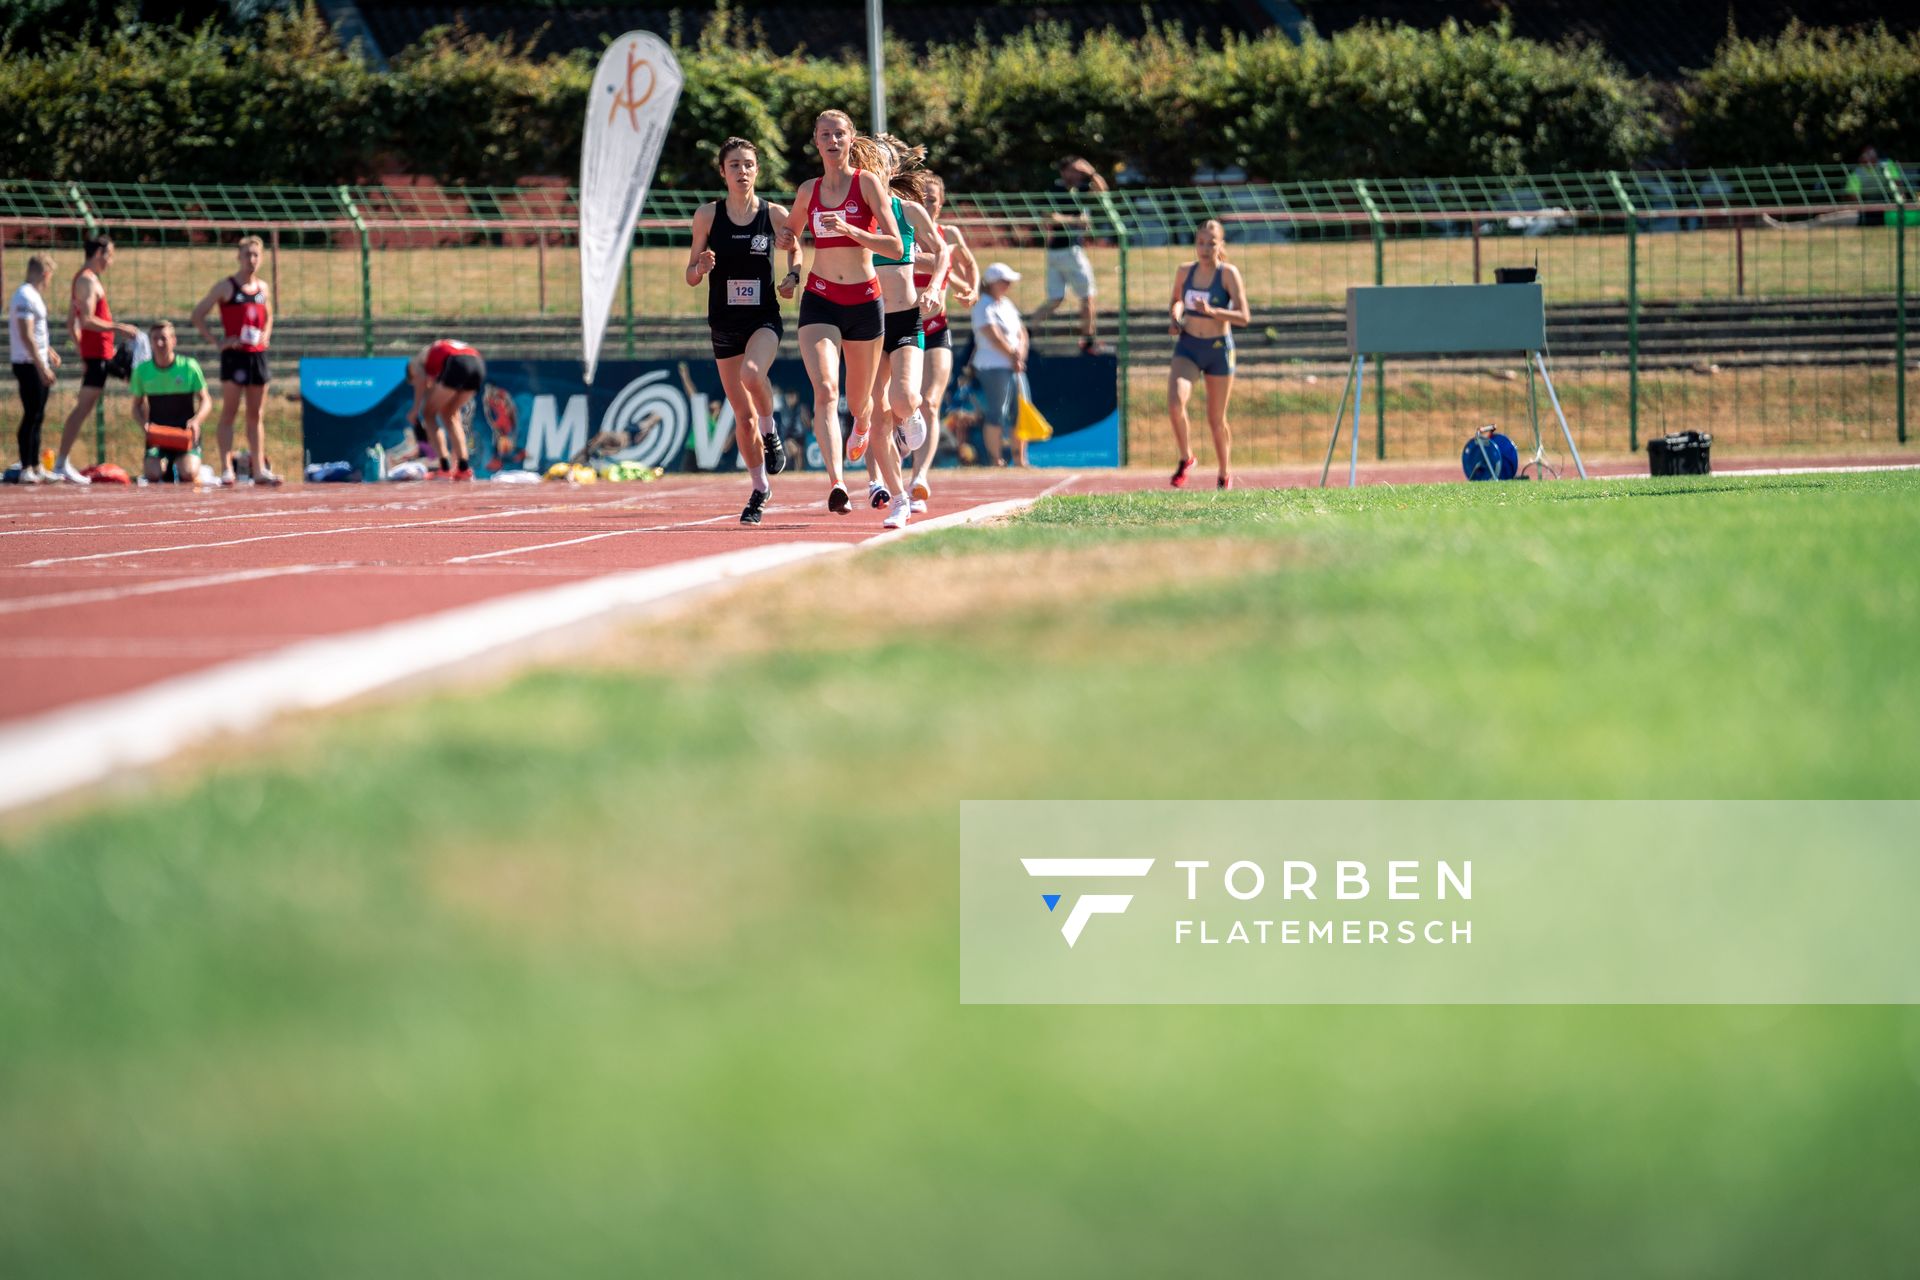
x=1180, y=472
x=1226, y=482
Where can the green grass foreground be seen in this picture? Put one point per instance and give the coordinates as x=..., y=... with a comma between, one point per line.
x=617, y=972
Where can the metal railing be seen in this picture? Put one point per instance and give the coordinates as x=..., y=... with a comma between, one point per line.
x=1765, y=305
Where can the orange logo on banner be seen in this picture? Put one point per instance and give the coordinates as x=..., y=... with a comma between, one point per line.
x=626, y=98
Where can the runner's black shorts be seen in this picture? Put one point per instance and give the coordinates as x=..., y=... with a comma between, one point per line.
x=95, y=373
x=463, y=373
x=940, y=339
x=730, y=340
x=903, y=330
x=856, y=321
x=245, y=368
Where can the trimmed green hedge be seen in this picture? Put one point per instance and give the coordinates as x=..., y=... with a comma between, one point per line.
x=1808, y=96
x=282, y=103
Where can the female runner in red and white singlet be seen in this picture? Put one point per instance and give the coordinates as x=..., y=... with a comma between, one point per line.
x=848, y=214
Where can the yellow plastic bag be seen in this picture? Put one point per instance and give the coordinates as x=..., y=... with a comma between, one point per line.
x=1031, y=425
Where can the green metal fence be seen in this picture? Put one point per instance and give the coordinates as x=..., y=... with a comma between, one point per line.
x=1763, y=305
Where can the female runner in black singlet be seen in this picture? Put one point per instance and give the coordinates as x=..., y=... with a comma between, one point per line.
x=733, y=243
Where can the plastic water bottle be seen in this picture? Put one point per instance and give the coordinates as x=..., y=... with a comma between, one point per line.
x=377, y=460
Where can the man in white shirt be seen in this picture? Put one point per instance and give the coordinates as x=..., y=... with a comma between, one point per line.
x=33, y=362
x=999, y=358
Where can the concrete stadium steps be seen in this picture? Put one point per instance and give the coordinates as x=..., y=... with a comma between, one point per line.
x=1736, y=330
x=1731, y=331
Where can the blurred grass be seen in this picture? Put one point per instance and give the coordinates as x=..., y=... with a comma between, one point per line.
x=649, y=965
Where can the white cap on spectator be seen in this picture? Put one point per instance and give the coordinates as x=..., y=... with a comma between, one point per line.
x=998, y=271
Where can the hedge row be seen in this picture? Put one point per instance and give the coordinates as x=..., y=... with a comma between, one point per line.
x=282, y=103
x=1809, y=96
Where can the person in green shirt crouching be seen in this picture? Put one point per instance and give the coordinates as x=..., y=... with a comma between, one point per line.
x=170, y=400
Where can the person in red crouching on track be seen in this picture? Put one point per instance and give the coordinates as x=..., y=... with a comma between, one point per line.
x=445, y=376
x=246, y=319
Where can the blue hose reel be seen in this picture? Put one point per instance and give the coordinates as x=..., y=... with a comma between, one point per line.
x=1490, y=456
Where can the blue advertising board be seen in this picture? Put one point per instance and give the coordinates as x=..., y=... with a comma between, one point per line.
x=661, y=413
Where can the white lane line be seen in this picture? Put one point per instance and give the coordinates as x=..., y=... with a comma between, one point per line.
x=972, y=515
x=100, y=595
x=280, y=513
x=414, y=498
x=308, y=533
x=1814, y=471
x=591, y=537
x=78, y=745
x=294, y=513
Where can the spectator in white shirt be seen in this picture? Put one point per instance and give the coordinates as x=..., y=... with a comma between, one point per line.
x=33, y=361
x=999, y=358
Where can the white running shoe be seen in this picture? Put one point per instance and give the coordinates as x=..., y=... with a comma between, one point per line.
x=32, y=475
x=919, y=507
x=67, y=473
x=898, y=514
x=913, y=432
x=263, y=476
x=857, y=446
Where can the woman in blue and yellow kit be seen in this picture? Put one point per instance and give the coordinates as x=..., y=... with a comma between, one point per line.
x=1209, y=298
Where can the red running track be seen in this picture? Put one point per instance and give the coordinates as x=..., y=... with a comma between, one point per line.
x=108, y=589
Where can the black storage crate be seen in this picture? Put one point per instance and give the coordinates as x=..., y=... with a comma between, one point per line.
x=1684, y=453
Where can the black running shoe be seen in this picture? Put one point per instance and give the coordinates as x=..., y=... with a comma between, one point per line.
x=776, y=453
x=878, y=497
x=755, y=505
x=837, y=501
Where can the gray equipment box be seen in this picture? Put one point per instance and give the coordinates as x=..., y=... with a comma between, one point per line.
x=1445, y=319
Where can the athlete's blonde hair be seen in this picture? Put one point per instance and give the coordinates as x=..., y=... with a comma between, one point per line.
x=914, y=184
x=905, y=156
x=832, y=113
x=250, y=242
x=1213, y=224
x=870, y=154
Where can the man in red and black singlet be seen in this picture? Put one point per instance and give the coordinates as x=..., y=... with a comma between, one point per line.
x=445, y=375
x=246, y=321
x=90, y=322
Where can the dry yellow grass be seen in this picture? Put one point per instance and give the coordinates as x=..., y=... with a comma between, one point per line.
x=933, y=593
x=521, y=280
